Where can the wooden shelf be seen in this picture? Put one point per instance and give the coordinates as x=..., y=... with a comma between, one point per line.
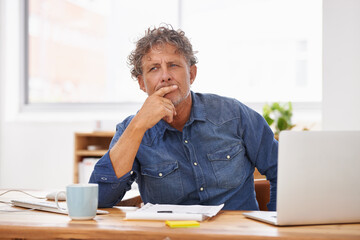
x=95, y=134
x=100, y=139
x=91, y=153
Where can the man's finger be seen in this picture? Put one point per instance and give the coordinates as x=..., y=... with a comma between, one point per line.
x=169, y=105
x=169, y=113
x=169, y=116
x=165, y=90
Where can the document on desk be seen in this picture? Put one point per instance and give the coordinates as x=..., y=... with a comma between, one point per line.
x=174, y=212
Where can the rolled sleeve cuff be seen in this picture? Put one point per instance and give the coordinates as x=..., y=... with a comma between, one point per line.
x=104, y=171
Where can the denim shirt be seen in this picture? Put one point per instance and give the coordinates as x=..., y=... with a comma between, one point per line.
x=210, y=162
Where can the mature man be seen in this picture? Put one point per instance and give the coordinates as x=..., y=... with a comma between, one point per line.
x=184, y=147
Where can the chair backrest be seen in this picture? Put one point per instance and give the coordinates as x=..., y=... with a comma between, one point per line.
x=262, y=189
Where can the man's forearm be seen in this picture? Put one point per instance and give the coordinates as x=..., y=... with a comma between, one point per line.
x=155, y=108
x=123, y=153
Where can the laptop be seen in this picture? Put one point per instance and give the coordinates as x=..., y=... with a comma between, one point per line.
x=318, y=179
x=46, y=206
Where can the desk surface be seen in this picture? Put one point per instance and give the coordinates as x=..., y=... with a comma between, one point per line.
x=226, y=225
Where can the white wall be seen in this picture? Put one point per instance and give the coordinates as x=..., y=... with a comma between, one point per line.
x=37, y=154
x=341, y=65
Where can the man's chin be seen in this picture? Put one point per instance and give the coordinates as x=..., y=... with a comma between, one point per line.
x=176, y=99
x=173, y=98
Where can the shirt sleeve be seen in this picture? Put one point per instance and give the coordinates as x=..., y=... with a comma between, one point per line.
x=262, y=148
x=111, y=188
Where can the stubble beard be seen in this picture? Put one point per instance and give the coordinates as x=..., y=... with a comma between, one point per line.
x=181, y=98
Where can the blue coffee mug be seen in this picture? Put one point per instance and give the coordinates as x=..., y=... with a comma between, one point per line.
x=81, y=200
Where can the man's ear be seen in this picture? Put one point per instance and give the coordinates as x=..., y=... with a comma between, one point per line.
x=141, y=83
x=193, y=71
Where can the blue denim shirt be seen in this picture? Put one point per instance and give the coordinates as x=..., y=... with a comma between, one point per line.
x=210, y=162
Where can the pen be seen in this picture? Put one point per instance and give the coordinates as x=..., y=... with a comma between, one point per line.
x=164, y=211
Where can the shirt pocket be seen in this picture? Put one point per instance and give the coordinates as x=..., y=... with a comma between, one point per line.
x=162, y=183
x=228, y=165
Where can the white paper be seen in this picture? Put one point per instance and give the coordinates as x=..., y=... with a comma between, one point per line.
x=133, y=192
x=86, y=167
x=178, y=212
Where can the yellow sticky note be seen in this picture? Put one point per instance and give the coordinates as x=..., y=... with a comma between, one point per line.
x=182, y=224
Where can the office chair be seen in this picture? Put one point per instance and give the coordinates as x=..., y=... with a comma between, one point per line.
x=133, y=202
x=262, y=189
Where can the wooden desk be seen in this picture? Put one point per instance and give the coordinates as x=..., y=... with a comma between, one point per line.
x=226, y=225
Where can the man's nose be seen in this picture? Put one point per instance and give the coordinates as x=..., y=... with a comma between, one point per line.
x=165, y=75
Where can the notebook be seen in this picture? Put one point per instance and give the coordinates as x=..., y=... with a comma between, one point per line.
x=46, y=206
x=318, y=179
x=174, y=212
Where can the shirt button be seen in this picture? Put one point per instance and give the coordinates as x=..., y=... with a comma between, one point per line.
x=131, y=172
x=160, y=174
x=195, y=163
x=201, y=189
x=228, y=156
x=103, y=178
x=186, y=141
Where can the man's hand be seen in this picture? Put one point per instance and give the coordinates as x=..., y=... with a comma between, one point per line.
x=157, y=107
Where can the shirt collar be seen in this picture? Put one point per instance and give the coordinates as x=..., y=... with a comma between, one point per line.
x=197, y=109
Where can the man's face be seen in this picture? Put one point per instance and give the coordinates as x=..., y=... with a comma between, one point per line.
x=164, y=66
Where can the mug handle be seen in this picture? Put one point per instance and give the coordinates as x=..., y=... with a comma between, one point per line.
x=57, y=201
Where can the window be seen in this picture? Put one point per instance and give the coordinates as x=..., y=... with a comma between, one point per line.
x=252, y=50
x=257, y=51
x=78, y=49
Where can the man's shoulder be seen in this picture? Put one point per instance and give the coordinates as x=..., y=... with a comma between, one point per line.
x=218, y=108
x=211, y=97
x=214, y=101
x=122, y=125
x=149, y=135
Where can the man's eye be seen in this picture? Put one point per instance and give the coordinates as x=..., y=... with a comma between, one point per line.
x=152, y=69
x=173, y=65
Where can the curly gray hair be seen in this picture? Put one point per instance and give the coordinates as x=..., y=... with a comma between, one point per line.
x=160, y=36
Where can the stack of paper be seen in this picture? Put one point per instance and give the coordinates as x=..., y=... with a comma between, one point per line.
x=174, y=212
x=86, y=167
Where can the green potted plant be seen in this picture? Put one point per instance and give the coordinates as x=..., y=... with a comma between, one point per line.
x=278, y=116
